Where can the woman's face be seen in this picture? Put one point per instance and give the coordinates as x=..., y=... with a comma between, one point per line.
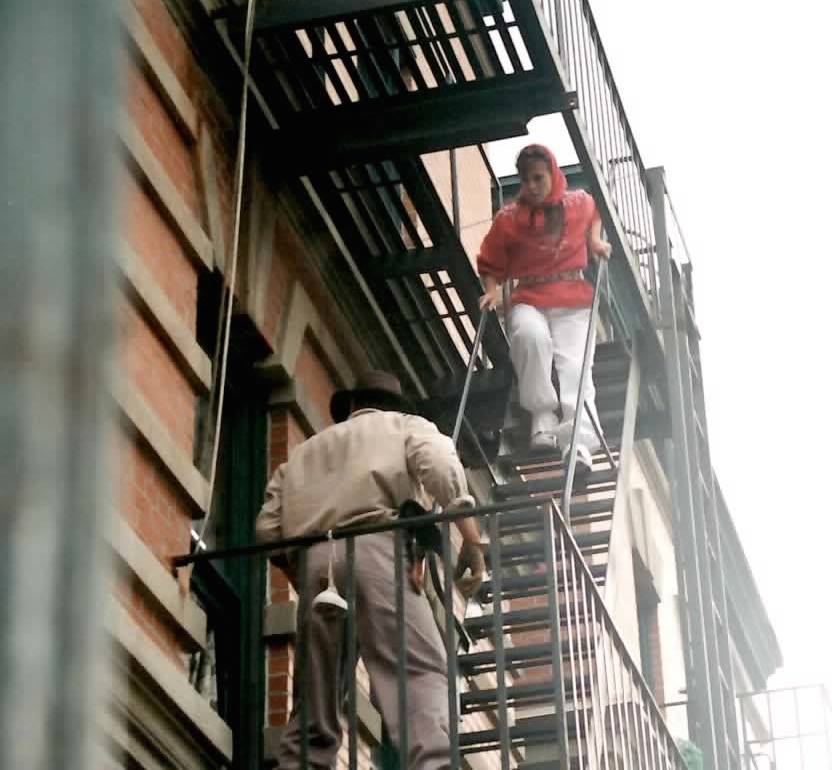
x=536, y=181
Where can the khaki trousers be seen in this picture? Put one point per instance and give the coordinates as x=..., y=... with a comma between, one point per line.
x=324, y=687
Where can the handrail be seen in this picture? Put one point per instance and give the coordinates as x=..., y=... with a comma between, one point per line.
x=610, y=705
x=572, y=561
x=580, y=402
x=612, y=141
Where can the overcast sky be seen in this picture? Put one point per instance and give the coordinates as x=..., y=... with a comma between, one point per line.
x=733, y=99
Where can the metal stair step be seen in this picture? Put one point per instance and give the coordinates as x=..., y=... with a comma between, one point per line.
x=582, y=512
x=609, y=394
x=514, y=621
x=604, y=477
x=526, y=656
x=524, y=694
x=513, y=554
x=519, y=586
x=547, y=458
x=527, y=732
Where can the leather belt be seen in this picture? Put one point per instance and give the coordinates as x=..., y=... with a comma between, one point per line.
x=535, y=280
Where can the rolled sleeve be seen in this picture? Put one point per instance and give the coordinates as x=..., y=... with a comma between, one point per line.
x=269, y=520
x=433, y=462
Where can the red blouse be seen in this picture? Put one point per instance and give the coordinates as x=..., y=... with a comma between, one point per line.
x=514, y=247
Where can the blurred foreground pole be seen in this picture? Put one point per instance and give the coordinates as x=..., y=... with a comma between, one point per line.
x=57, y=118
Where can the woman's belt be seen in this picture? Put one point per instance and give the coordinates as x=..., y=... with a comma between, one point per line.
x=535, y=280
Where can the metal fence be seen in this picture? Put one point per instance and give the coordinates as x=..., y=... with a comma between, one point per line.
x=575, y=692
x=572, y=25
x=787, y=729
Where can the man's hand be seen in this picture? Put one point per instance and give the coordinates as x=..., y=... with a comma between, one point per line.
x=471, y=558
x=600, y=248
x=491, y=298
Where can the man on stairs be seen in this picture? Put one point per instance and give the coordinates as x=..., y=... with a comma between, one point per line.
x=359, y=471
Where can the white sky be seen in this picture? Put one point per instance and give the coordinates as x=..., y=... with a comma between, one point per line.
x=732, y=97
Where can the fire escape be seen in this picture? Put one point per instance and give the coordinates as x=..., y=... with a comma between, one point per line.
x=352, y=94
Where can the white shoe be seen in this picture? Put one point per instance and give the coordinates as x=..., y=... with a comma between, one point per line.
x=583, y=460
x=544, y=425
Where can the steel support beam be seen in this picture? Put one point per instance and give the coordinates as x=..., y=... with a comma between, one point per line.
x=58, y=150
x=274, y=14
x=418, y=123
x=413, y=262
x=693, y=604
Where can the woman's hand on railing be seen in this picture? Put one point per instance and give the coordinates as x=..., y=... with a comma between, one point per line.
x=600, y=248
x=491, y=298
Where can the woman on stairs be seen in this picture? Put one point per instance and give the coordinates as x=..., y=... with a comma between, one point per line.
x=540, y=239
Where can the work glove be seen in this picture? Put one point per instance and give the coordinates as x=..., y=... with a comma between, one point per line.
x=471, y=559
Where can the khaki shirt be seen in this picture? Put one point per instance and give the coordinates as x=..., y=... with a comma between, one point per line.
x=360, y=471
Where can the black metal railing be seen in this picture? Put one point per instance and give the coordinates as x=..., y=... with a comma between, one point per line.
x=788, y=728
x=571, y=24
x=596, y=708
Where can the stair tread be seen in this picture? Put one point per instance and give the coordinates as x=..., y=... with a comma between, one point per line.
x=515, y=693
x=554, y=484
x=533, y=456
x=538, y=730
x=480, y=627
x=529, y=654
x=585, y=541
x=597, y=510
x=536, y=581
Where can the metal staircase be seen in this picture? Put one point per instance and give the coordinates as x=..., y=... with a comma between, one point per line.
x=521, y=596
x=352, y=93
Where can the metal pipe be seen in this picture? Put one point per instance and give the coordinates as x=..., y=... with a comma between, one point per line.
x=339, y=534
x=450, y=648
x=455, y=192
x=463, y=401
x=401, y=649
x=499, y=645
x=579, y=404
x=352, y=657
x=303, y=661
x=551, y=554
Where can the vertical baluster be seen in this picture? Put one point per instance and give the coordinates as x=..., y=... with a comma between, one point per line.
x=352, y=657
x=551, y=553
x=771, y=727
x=303, y=659
x=615, y=699
x=569, y=591
x=595, y=652
x=401, y=647
x=622, y=708
x=574, y=50
x=499, y=642
x=560, y=33
x=591, y=113
x=578, y=688
x=639, y=707
x=450, y=648
x=605, y=710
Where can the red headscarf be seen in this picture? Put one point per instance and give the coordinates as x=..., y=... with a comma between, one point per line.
x=535, y=214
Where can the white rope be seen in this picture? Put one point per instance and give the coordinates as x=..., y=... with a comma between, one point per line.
x=231, y=269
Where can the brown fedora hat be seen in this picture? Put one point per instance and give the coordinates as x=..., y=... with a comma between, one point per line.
x=380, y=386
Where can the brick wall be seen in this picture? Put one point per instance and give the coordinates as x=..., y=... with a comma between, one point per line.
x=176, y=196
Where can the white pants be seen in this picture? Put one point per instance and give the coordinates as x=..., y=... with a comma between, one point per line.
x=538, y=337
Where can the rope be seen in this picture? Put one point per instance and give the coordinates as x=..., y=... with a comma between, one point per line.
x=231, y=271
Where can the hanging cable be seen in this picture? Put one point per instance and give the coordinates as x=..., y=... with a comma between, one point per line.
x=227, y=304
